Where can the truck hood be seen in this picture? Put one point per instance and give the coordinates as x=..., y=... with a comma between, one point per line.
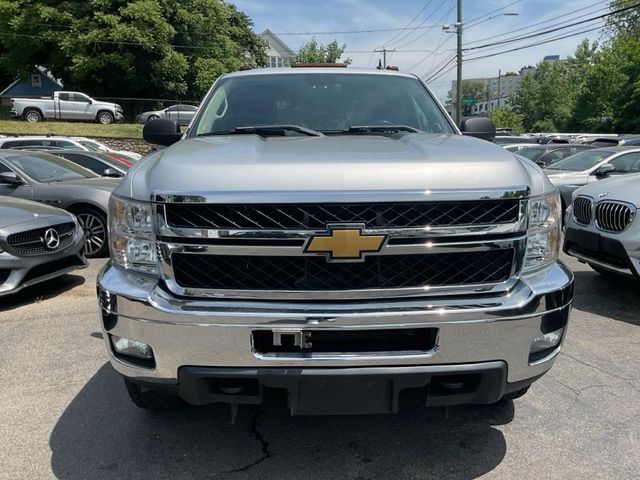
x=625, y=188
x=108, y=105
x=16, y=210
x=254, y=165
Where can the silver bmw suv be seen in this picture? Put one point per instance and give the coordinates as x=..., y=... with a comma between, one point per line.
x=602, y=228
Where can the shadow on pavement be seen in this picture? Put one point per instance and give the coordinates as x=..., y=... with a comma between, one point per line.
x=41, y=291
x=612, y=297
x=102, y=435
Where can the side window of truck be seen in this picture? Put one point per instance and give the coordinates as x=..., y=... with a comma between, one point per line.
x=64, y=97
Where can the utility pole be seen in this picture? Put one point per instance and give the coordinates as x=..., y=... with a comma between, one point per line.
x=499, y=87
x=459, y=76
x=384, y=55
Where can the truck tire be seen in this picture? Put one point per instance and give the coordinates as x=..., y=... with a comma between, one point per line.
x=154, y=401
x=94, y=224
x=105, y=118
x=32, y=115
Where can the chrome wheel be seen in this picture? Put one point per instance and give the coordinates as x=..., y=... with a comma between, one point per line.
x=95, y=233
x=105, y=118
x=32, y=116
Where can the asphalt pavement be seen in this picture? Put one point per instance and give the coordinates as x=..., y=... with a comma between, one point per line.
x=64, y=413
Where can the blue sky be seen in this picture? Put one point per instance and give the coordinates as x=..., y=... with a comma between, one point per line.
x=289, y=16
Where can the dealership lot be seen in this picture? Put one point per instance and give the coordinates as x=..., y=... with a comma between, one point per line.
x=64, y=412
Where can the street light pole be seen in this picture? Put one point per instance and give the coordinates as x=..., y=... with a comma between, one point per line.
x=459, y=74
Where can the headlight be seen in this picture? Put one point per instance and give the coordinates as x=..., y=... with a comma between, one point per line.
x=543, y=235
x=131, y=235
x=119, y=108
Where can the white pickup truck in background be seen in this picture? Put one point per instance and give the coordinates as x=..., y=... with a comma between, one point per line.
x=66, y=106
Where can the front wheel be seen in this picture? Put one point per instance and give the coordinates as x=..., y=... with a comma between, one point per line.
x=32, y=116
x=152, y=117
x=105, y=118
x=94, y=225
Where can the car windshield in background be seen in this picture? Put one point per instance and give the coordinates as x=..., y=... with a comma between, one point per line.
x=581, y=161
x=327, y=103
x=532, y=153
x=93, y=147
x=48, y=168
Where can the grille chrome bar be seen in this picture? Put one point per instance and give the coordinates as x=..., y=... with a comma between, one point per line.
x=614, y=216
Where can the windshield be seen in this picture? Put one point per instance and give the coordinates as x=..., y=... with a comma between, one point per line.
x=93, y=147
x=532, y=153
x=581, y=161
x=329, y=103
x=48, y=168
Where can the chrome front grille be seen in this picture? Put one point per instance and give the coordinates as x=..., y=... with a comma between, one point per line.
x=210, y=247
x=31, y=242
x=582, y=210
x=317, y=216
x=613, y=216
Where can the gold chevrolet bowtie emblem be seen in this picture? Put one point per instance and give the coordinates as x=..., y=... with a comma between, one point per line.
x=344, y=243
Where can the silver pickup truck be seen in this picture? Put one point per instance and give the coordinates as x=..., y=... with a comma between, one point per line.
x=330, y=233
x=66, y=106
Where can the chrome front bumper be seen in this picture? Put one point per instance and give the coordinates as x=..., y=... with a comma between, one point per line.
x=217, y=333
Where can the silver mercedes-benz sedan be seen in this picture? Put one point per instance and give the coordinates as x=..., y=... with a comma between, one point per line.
x=602, y=226
x=58, y=182
x=37, y=242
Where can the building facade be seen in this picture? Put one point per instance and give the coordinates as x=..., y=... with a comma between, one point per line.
x=278, y=53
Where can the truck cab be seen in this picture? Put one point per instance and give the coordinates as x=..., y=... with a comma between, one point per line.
x=331, y=233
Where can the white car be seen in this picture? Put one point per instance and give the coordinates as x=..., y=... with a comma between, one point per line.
x=64, y=143
x=95, y=146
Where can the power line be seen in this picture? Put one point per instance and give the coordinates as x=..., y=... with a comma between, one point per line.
x=402, y=38
x=552, y=30
x=408, y=24
x=439, y=24
x=528, y=27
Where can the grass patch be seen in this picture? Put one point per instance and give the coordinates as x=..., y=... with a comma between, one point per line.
x=72, y=129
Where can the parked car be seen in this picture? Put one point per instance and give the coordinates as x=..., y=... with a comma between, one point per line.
x=77, y=143
x=37, y=243
x=103, y=164
x=92, y=145
x=590, y=166
x=66, y=106
x=545, y=155
x=288, y=241
x=183, y=114
x=630, y=141
x=56, y=181
x=514, y=147
x=602, y=226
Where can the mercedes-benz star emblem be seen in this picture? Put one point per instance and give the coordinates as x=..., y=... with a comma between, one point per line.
x=51, y=239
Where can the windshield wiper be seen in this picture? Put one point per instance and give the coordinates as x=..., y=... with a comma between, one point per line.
x=267, y=130
x=380, y=129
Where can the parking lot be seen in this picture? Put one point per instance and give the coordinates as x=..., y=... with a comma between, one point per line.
x=64, y=412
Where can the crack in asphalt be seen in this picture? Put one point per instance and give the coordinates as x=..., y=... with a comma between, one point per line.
x=264, y=445
x=601, y=370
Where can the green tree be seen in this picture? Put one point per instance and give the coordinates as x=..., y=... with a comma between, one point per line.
x=544, y=126
x=505, y=117
x=545, y=95
x=313, y=52
x=138, y=48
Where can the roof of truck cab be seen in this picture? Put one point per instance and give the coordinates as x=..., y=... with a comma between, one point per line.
x=316, y=70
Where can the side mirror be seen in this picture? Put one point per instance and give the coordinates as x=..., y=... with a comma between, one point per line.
x=90, y=102
x=11, y=178
x=111, y=172
x=604, y=170
x=161, y=131
x=479, y=127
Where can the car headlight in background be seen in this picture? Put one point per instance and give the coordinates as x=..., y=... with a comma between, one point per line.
x=543, y=235
x=131, y=235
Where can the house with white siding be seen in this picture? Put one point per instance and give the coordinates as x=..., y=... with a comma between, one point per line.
x=278, y=53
